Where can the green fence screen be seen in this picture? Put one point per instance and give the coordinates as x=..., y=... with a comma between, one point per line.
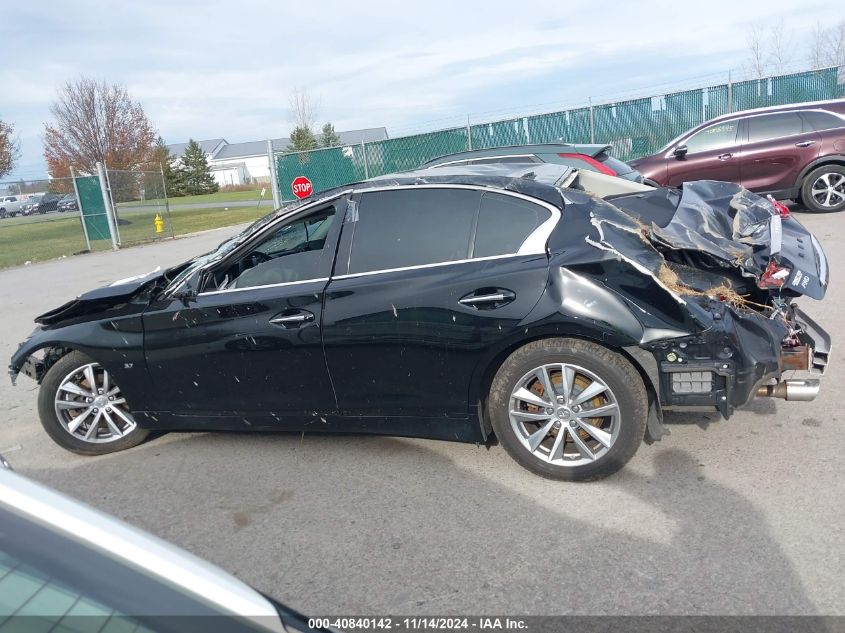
x=634, y=128
x=93, y=208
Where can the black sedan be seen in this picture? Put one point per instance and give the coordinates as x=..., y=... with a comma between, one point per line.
x=453, y=303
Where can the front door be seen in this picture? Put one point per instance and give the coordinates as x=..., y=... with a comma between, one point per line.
x=432, y=279
x=711, y=154
x=249, y=344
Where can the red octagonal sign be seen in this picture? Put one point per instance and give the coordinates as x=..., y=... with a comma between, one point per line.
x=301, y=187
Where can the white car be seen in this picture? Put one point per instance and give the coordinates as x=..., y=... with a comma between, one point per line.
x=10, y=206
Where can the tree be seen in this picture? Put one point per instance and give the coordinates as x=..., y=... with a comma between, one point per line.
x=827, y=46
x=756, y=62
x=96, y=122
x=302, y=139
x=9, y=148
x=329, y=138
x=192, y=174
x=163, y=159
x=782, y=48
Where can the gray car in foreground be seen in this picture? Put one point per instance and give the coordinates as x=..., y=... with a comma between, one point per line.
x=67, y=567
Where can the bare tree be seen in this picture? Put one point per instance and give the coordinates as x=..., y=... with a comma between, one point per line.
x=827, y=45
x=303, y=109
x=757, y=55
x=782, y=47
x=96, y=121
x=10, y=148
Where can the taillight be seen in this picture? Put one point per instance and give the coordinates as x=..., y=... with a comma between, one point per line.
x=774, y=276
x=601, y=168
x=782, y=209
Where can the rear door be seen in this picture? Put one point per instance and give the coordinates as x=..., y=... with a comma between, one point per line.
x=777, y=148
x=712, y=154
x=427, y=279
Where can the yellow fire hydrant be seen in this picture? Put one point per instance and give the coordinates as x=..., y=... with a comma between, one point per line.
x=159, y=223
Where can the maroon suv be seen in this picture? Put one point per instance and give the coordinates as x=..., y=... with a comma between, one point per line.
x=794, y=152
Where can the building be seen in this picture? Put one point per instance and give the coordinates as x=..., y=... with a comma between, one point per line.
x=245, y=163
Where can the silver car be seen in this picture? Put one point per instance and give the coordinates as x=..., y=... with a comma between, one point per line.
x=65, y=566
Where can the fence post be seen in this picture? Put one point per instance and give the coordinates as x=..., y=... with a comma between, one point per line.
x=104, y=189
x=730, y=94
x=274, y=180
x=592, y=122
x=469, y=135
x=79, y=204
x=366, y=164
x=166, y=201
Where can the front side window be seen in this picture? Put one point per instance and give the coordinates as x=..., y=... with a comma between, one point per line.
x=713, y=137
x=292, y=252
x=504, y=223
x=412, y=227
x=771, y=126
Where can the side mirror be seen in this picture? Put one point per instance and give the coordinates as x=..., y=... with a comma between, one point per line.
x=680, y=151
x=186, y=296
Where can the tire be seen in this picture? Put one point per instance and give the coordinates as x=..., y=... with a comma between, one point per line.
x=608, y=441
x=68, y=381
x=818, y=195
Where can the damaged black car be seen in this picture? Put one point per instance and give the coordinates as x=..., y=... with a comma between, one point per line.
x=558, y=311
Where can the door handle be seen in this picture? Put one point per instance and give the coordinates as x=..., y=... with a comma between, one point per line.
x=724, y=156
x=297, y=318
x=487, y=298
x=805, y=143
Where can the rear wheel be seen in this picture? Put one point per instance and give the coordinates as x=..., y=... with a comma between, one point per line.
x=83, y=410
x=568, y=409
x=823, y=190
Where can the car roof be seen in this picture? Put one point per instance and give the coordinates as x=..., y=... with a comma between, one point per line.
x=590, y=149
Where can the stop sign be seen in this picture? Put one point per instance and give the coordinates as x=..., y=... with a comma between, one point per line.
x=301, y=187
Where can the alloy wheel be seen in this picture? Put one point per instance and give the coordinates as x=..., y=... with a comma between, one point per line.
x=828, y=190
x=564, y=414
x=91, y=407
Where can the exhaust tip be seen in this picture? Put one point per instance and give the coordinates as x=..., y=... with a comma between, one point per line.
x=795, y=390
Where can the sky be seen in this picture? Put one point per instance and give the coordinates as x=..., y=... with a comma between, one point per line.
x=209, y=69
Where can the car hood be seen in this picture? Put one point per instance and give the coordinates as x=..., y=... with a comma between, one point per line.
x=99, y=299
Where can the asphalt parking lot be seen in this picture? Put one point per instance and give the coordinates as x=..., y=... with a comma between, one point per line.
x=737, y=517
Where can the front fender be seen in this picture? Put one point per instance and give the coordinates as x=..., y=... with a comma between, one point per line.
x=117, y=344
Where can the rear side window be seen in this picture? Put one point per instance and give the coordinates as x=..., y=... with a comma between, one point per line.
x=772, y=126
x=820, y=121
x=504, y=223
x=713, y=137
x=412, y=227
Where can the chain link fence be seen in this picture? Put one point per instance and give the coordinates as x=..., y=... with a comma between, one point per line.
x=59, y=217
x=634, y=127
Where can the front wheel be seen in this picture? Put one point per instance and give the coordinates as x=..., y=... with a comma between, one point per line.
x=568, y=409
x=823, y=190
x=83, y=410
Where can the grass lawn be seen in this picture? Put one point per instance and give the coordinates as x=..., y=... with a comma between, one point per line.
x=51, y=236
x=226, y=196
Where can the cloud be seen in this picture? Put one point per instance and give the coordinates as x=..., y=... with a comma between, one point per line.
x=211, y=68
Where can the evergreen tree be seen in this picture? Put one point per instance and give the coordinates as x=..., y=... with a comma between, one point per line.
x=192, y=175
x=163, y=157
x=329, y=137
x=302, y=139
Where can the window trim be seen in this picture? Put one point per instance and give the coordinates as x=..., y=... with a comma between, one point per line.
x=534, y=244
